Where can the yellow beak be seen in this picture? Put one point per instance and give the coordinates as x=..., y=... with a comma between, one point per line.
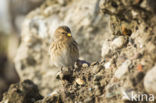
x=69, y=34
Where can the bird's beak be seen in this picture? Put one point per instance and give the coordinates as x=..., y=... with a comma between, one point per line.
x=69, y=34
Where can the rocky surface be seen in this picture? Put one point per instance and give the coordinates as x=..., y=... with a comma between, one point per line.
x=12, y=13
x=150, y=81
x=24, y=92
x=127, y=45
x=32, y=60
x=18, y=9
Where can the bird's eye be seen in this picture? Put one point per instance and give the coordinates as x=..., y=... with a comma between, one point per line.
x=63, y=33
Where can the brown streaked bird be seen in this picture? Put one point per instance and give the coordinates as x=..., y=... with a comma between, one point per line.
x=63, y=50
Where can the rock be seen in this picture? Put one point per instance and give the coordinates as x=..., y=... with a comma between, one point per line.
x=118, y=42
x=32, y=60
x=23, y=92
x=149, y=81
x=80, y=81
x=32, y=63
x=106, y=49
x=82, y=28
x=97, y=92
x=108, y=64
x=50, y=99
x=88, y=100
x=137, y=78
x=97, y=68
x=85, y=65
x=112, y=90
x=97, y=77
x=94, y=63
x=122, y=69
x=19, y=9
x=54, y=93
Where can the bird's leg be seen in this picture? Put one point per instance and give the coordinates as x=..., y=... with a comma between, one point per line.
x=62, y=69
x=60, y=72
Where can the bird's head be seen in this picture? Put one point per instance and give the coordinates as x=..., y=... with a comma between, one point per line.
x=63, y=32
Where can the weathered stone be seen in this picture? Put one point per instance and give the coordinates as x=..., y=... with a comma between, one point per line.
x=150, y=81
x=118, y=42
x=122, y=69
x=80, y=81
x=23, y=92
x=37, y=32
x=106, y=49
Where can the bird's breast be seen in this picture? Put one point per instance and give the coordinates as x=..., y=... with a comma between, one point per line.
x=60, y=54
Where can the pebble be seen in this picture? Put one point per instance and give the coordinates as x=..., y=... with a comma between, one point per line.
x=122, y=69
x=112, y=90
x=118, y=42
x=96, y=87
x=88, y=100
x=98, y=92
x=85, y=65
x=97, y=68
x=137, y=78
x=54, y=93
x=62, y=2
x=103, y=82
x=108, y=65
x=97, y=77
x=90, y=89
x=79, y=81
x=96, y=83
x=106, y=49
x=150, y=81
x=94, y=63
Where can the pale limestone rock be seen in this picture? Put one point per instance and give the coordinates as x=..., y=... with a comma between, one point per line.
x=150, y=81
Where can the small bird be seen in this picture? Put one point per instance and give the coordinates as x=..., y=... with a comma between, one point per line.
x=63, y=50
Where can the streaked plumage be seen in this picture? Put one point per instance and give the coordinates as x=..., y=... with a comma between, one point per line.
x=63, y=49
